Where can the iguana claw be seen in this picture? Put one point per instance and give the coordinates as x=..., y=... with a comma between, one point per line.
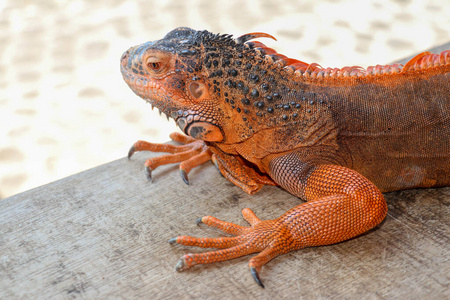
x=148, y=173
x=184, y=176
x=256, y=276
x=131, y=151
x=181, y=264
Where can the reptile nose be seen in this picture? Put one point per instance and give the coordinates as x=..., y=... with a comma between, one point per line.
x=124, y=58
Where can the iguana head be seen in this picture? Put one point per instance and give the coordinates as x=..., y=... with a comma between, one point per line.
x=216, y=88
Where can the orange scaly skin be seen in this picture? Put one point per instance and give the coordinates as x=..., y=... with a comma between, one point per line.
x=336, y=138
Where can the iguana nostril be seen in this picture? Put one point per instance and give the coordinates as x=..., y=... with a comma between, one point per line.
x=124, y=59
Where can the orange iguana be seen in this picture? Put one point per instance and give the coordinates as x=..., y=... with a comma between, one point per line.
x=336, y=138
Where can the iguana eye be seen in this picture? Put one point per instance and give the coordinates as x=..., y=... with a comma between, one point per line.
x=153, y=64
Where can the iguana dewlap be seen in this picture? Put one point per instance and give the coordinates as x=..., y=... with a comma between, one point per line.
x=336, y=138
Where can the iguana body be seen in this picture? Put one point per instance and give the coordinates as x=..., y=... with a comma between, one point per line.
x=336, y=138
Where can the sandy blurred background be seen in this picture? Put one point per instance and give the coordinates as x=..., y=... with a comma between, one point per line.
x=64, y=107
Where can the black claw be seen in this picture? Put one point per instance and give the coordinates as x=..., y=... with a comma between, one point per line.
x=184, y=176
x=214, y=160
x=181, y=265
x=199, y=221
x=148, y=173
x=173, y=241
x=256, y=276
x=216, y=164
x=131, y=152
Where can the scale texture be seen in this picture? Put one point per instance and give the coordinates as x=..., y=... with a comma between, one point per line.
x=336, y=138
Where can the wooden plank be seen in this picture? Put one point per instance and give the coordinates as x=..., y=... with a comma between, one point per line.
x=104, y=232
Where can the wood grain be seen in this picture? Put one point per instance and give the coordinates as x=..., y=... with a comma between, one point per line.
x=104, y=232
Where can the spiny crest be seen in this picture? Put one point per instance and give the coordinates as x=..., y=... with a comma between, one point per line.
x=314, y=70
x=207, y=37
x=227, y=39
x=187, y=37
x=183, y=40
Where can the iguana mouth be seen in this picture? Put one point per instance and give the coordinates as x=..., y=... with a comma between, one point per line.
x=185, y=119
x=148, y=91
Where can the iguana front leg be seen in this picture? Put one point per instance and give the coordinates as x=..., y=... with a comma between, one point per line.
x=191, y=154
x=341, y=204
x=194, y=153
